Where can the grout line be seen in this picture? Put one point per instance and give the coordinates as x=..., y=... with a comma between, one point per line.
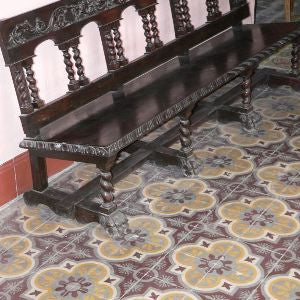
x=239, y=239
x=43, y=264
x=268, y=274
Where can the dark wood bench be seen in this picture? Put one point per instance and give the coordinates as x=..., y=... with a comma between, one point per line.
x=79, y=126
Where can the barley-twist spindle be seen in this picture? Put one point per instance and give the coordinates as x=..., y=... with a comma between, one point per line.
x=213, y=10
x=179, y=18
x=154, y=27
x=147, y=31
x=110, y=48
x=36, y=100
x=295, y=59
x=246, y=92
x=119, y=45
x=73, y=83
x=106, y=186
x=83, y=80
x=185, y=135
x=23, y=95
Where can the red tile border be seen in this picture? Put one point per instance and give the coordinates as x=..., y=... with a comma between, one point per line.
x=15, y=175
x=8, y=190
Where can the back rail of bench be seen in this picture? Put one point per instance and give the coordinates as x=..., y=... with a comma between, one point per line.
x=19, y=38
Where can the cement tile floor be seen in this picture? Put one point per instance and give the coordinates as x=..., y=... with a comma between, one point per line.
x=231, y=232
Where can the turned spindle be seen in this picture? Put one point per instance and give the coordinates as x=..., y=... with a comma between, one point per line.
x=36, y=100
x=246, y=91
x=109, y=47
x=212, y=10
x=147, y=31
x=82, y=79
x=185, y=134
x=178, y=17
x=186, y=16
x=73, y=83
x=119, y=45
x=295, y=60
x=154, y=27
x=22, y=90
x=181, y=17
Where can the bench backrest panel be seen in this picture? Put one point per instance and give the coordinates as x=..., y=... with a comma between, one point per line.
x=63, y=21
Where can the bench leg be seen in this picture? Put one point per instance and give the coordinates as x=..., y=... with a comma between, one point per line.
x=39, y=172
x=250, y=119
x=39, y=177
x=188, y=161
x=114, y=221
x=295, y=59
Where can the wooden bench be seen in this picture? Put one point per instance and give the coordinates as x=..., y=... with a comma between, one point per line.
x=79, y=127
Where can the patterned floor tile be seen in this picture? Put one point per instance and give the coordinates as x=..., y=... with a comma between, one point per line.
x=229, y=233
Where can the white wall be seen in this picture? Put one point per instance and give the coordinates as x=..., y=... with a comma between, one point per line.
x=49, y=61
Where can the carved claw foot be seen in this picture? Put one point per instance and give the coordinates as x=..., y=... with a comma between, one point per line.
x=115, y=224
x=191, y=166
x=251, y=121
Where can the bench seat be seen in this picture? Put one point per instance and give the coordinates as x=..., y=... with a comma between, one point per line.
x=210, y=66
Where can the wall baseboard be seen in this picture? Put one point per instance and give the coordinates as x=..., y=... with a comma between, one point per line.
x=15, y=175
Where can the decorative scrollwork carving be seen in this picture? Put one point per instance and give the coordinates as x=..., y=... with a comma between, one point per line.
x=61, y=17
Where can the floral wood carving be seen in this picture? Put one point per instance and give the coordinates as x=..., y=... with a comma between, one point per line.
x=61, y=17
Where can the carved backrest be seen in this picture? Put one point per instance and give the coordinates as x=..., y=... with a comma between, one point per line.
x=63, y=21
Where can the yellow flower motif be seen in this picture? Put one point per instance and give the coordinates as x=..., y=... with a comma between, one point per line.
x=283, y=181
x=222, y=160
x=42, y=220
x=253, y=221
x=13, y=260
x=142, y=236
x=84, y=281
x=170, y=199
x=295, y=142
x=265, y=134
x=171, y=295
x=283, y=287
x=279, y=107
x=207, y=269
